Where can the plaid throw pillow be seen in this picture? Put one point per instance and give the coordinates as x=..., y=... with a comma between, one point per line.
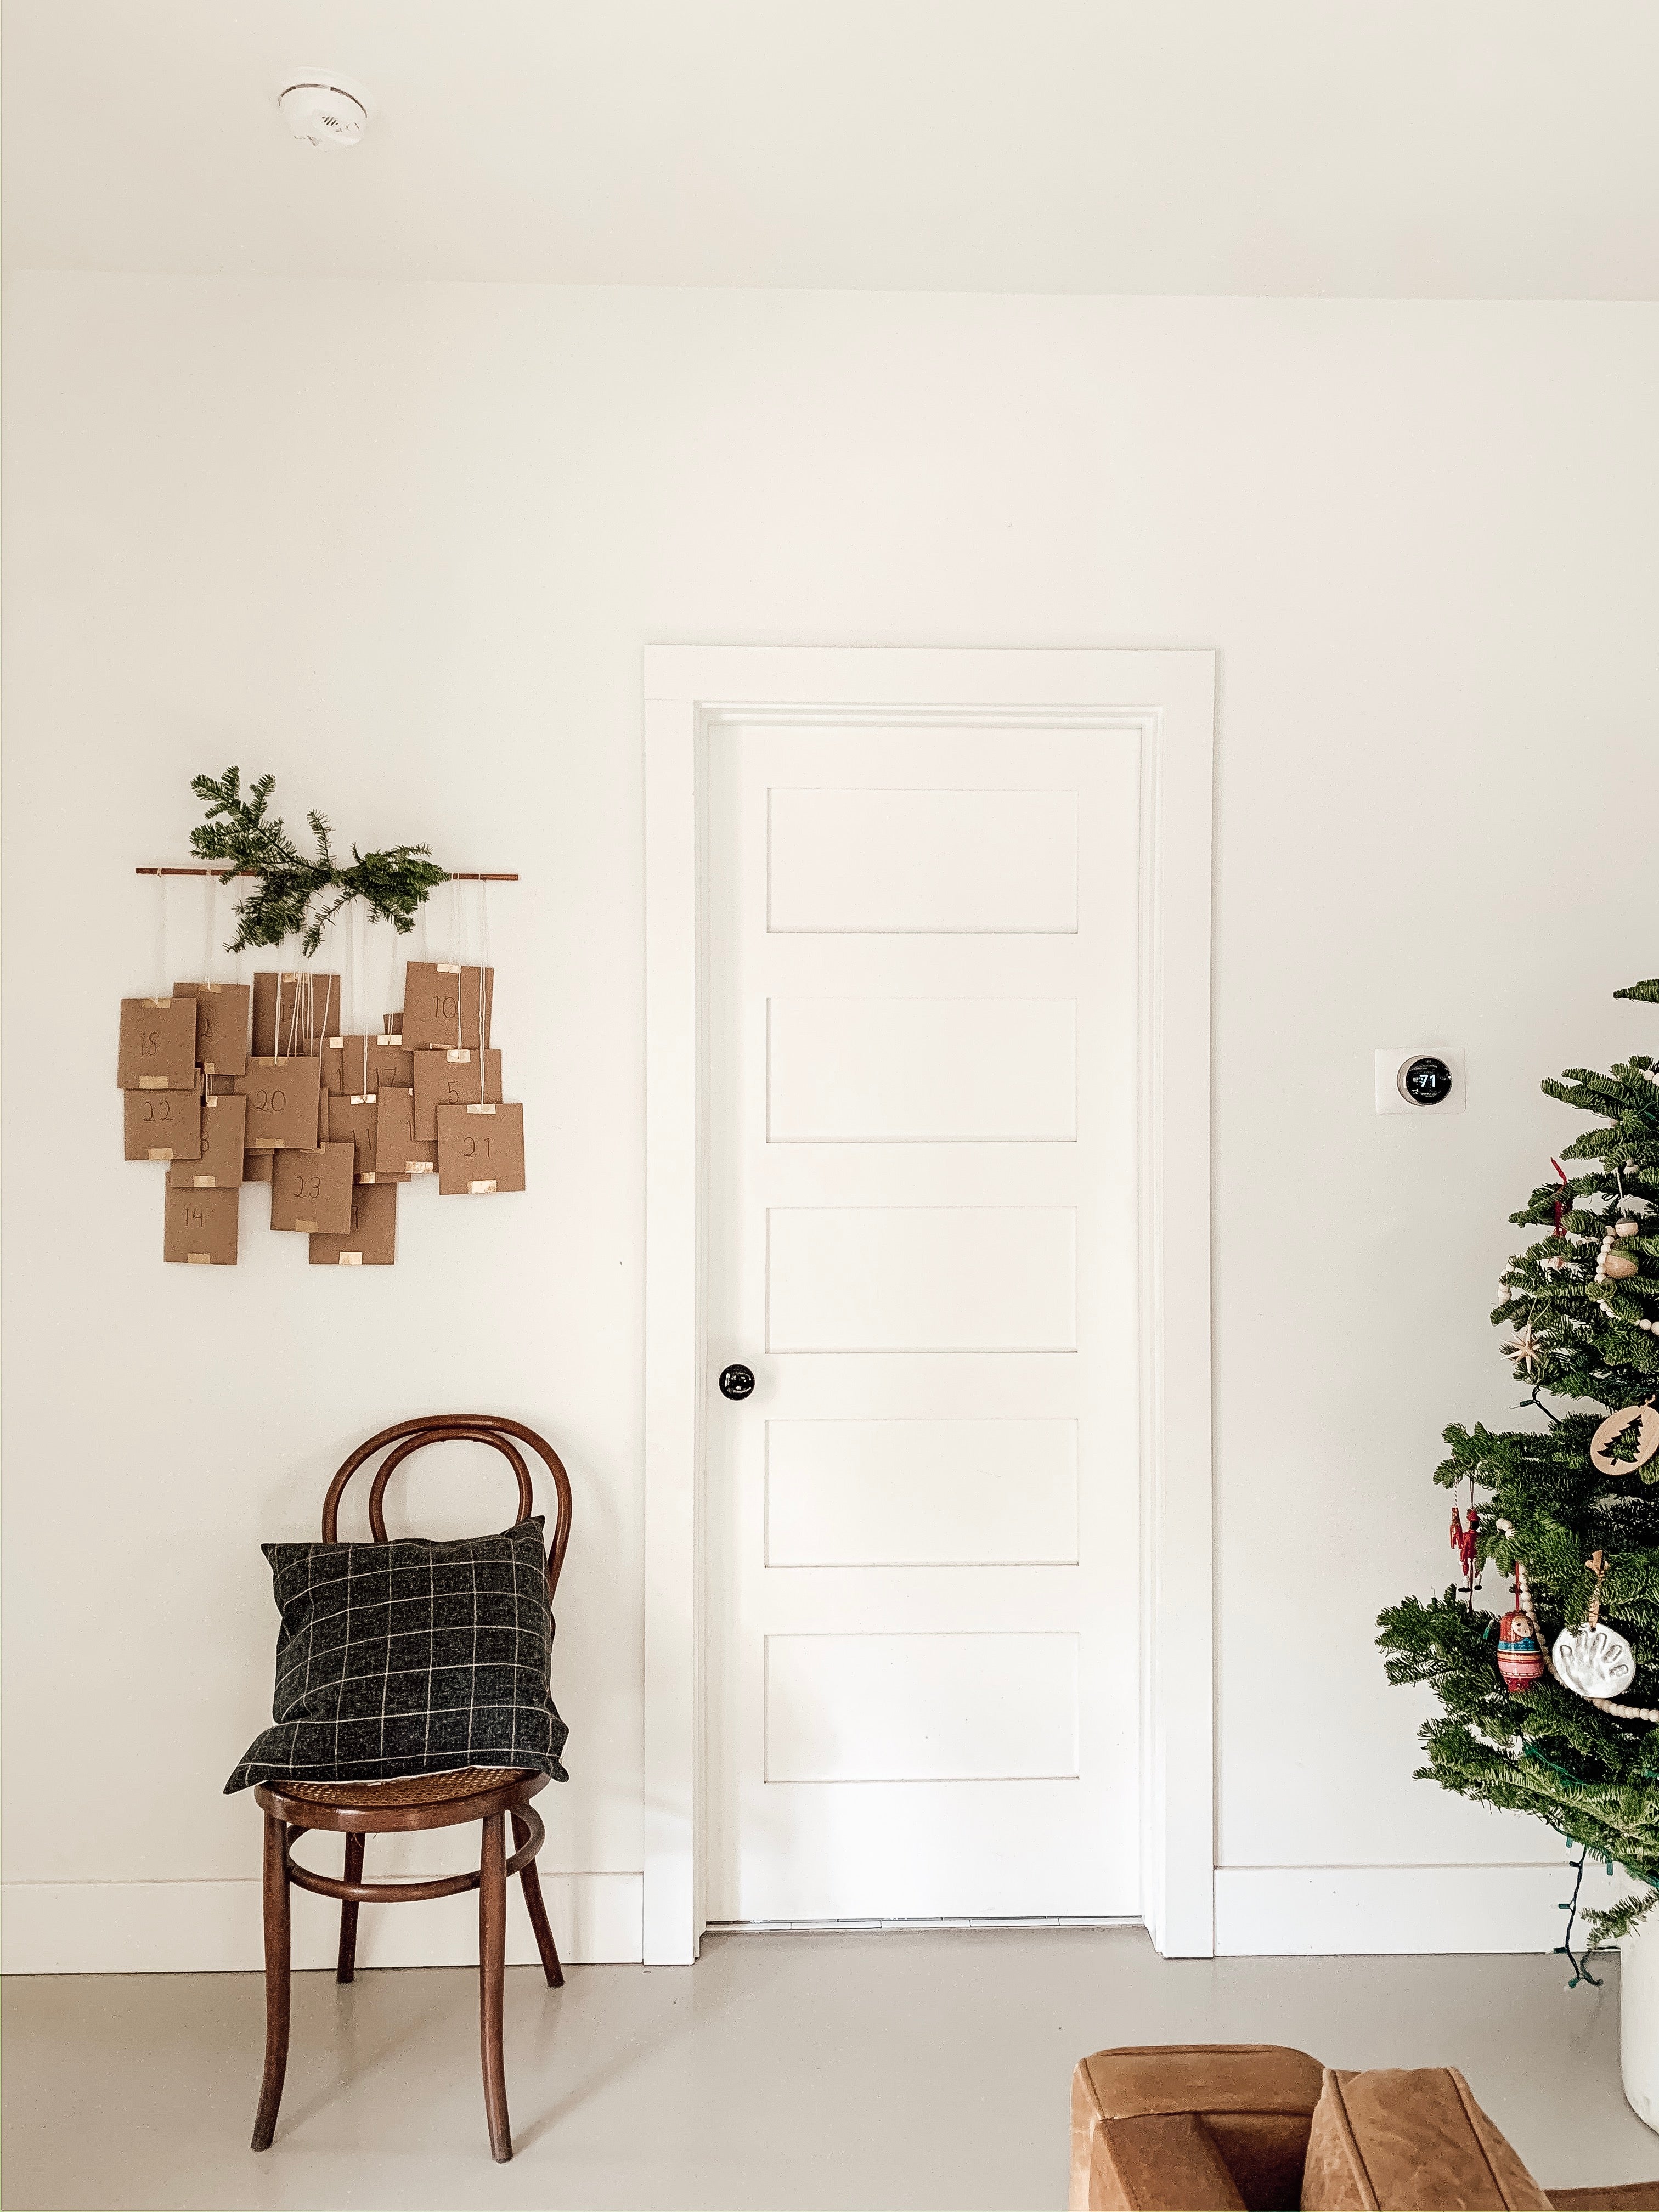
x=409, y=1658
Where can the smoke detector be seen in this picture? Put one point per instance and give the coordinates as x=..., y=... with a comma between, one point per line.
x=324, y=110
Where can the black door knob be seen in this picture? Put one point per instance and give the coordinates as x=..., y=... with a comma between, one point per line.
x=737, y=1381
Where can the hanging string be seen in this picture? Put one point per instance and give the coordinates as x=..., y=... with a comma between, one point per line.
x=355, y=971
x=210, y=891
x=457, y=936
x=486, y=982
x=165, y=982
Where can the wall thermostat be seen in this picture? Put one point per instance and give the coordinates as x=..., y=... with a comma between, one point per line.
x=1426, y=1078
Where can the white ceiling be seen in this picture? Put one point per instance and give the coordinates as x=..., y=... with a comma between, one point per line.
x=1480, y=147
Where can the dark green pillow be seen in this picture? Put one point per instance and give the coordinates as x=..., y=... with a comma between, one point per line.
x=412, y=1658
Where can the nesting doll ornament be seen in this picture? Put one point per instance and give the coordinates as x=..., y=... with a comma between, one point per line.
x=1520, y=1660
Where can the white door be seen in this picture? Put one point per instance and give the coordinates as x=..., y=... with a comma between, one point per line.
x=922, y=1539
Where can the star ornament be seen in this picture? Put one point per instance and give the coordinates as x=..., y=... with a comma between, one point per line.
x=1524, y=1349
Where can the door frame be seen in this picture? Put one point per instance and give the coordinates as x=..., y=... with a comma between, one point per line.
x=1169, y=699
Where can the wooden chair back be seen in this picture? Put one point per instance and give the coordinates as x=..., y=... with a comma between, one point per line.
x=454, y=1428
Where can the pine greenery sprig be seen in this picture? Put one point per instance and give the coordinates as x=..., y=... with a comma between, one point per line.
x=1593, y=1776
x=393, y=884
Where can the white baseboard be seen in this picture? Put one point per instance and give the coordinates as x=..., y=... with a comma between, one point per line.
x=1332, y=1912
x=215, y=1927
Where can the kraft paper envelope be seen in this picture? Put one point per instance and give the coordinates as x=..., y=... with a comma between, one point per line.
x=372, y=1239
x=352, y=1122
x=162, y=1125
x=158, y=1045
x=445, y=1003
x=221, y=1025
x=397, y=1149
x=480, y=1150
x=391, y=1064
x=294, y=1010
x=221, y=1165
x=349, y=1065
x=312, y=1191
x=282, y=1104
x=201, y=1227
x=450, y=1077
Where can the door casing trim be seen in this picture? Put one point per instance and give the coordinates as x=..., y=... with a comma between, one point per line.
x=1168, y=698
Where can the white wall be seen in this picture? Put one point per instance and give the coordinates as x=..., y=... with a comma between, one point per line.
x=402, y=543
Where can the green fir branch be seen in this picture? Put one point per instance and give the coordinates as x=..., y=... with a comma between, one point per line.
x=393, y=884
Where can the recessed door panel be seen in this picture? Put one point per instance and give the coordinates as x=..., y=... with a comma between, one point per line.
x=983, y=1707
x=924, y=861
x=870, y=1071
x=921, y=1278
x=942, y=1493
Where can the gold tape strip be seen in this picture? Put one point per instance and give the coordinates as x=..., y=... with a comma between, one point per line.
x=310, y=1225
x=351, y=1259
x=419, y=1167
x=199, y=1259
x=481, y=1110
x=152, y=1082
x=156, y=1002
x=203, y=1183
x=161, y=1151
x=448, y=967
x=474, y=1188
x=464, y=1057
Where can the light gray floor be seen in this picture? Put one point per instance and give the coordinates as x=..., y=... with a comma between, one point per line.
x=927, y=2070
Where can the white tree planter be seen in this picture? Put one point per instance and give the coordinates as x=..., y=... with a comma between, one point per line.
x=1638, y=2019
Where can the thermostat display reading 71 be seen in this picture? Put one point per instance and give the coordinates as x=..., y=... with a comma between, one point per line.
x=1426, y=1081
x=1420, y=1079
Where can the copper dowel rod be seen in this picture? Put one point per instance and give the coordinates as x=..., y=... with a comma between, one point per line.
x=456, y=875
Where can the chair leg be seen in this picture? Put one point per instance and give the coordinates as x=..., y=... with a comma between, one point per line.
x=276, y=1981
x=537, y=1908
x=346, y=1969
x=492, y=1959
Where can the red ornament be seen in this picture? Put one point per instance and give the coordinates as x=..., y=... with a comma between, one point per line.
x=1464, y=1541
x=1520, y=1662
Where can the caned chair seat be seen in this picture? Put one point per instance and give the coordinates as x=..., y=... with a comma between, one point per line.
x=406, y=1790
x=494, y=1796
x=410, y=1801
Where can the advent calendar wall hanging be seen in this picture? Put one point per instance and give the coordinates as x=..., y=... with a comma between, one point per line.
x=227, y=1083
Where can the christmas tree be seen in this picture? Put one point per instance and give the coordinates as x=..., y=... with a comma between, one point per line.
x=1540, y=1708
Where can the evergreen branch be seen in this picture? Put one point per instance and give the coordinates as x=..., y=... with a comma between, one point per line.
x=393, y=884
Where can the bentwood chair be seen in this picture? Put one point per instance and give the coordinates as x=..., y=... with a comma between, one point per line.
x=492, y=1796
